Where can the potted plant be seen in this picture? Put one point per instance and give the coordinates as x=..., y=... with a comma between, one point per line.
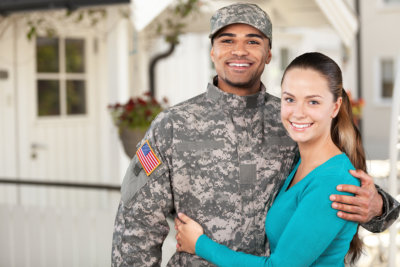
x=133, y=118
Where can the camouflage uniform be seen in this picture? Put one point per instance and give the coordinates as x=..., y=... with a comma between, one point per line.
x=224, y=158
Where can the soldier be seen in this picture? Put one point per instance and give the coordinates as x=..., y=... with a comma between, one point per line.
x=221, y=157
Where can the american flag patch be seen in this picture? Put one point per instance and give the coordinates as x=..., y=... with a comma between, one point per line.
x=147, y=158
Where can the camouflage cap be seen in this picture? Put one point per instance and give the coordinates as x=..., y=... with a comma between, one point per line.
x=250, y=14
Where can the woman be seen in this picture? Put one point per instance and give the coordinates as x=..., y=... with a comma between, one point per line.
x=302, y=228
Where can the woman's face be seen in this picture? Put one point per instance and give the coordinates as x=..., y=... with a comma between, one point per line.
x=307, y=106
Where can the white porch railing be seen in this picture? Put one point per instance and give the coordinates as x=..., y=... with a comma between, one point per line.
x=40, y=237
x=51, y=235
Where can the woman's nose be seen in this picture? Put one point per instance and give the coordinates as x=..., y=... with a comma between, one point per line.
x=298, y=111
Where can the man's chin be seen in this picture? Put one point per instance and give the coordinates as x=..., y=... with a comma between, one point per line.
x=241, y=85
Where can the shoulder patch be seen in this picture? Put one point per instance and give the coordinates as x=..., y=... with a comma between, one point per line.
x=147, y=158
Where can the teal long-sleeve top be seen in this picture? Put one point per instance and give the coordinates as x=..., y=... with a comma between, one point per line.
x=302, y=227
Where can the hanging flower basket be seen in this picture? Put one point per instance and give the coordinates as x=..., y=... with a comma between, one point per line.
x=130, y=138
x=133, y=118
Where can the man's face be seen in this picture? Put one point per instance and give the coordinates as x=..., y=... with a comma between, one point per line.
x=240, y=53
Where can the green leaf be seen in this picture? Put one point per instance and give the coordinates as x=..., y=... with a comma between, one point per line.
x=31, y=33
x=80, y=17
x=50, y=32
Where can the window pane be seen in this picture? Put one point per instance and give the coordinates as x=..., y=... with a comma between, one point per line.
x=48, y=95
x=387, y=76
x=47, y=54
x=76, y=97
x=75, y=55
x=284, y=57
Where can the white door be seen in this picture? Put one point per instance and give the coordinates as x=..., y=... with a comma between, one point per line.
x=58, y=118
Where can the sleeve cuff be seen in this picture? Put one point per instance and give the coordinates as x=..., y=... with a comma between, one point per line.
x=380, y=223
x=385, y=204
x=201, y=244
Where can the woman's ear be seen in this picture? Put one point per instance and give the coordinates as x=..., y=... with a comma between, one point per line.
x=337, y=106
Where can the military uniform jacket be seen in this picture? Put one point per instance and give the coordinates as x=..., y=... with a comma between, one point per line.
x=223, y=160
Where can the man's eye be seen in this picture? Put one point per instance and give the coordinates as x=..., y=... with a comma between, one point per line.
x=226, y=41
x=254, y=42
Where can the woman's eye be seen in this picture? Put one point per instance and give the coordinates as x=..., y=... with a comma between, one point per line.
x=289, y=100
x=313, y=102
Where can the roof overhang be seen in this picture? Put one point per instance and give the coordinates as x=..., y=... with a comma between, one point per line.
x=145, y=11
x=12, y=6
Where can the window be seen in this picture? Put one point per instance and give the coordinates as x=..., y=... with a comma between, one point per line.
x=284, y=57
x=387, y=78
x=61, y=77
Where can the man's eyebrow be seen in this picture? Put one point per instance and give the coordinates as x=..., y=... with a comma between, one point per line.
x=225, y=34
x=251, y=35
x=255, y=35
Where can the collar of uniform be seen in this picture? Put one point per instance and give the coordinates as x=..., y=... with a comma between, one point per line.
x=234, y=101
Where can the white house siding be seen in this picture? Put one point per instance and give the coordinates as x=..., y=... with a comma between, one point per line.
x=380, y=38
x=187, y=71
x=8, y=106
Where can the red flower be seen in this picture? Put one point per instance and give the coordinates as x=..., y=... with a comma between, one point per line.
x=136, y=112
x=141, y=101
x=130, y=105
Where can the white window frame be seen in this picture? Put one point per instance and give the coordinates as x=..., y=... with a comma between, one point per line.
x=62, y=76
x=378, y=99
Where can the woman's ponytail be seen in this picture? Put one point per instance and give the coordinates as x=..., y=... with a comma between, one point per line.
x=347, y=137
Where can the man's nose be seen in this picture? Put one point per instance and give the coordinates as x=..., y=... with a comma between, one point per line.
x=240, y=50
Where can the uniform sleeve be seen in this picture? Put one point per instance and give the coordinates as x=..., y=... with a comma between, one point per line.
x=312, y=228
x=391, y=209
x=140, y=225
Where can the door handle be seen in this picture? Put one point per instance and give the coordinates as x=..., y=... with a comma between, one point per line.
x=35, y=147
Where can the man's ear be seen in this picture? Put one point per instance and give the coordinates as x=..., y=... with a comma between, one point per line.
x=269, y=56
x=212, y=53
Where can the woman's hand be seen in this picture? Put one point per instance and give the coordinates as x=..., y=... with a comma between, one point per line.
x=188, y=233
